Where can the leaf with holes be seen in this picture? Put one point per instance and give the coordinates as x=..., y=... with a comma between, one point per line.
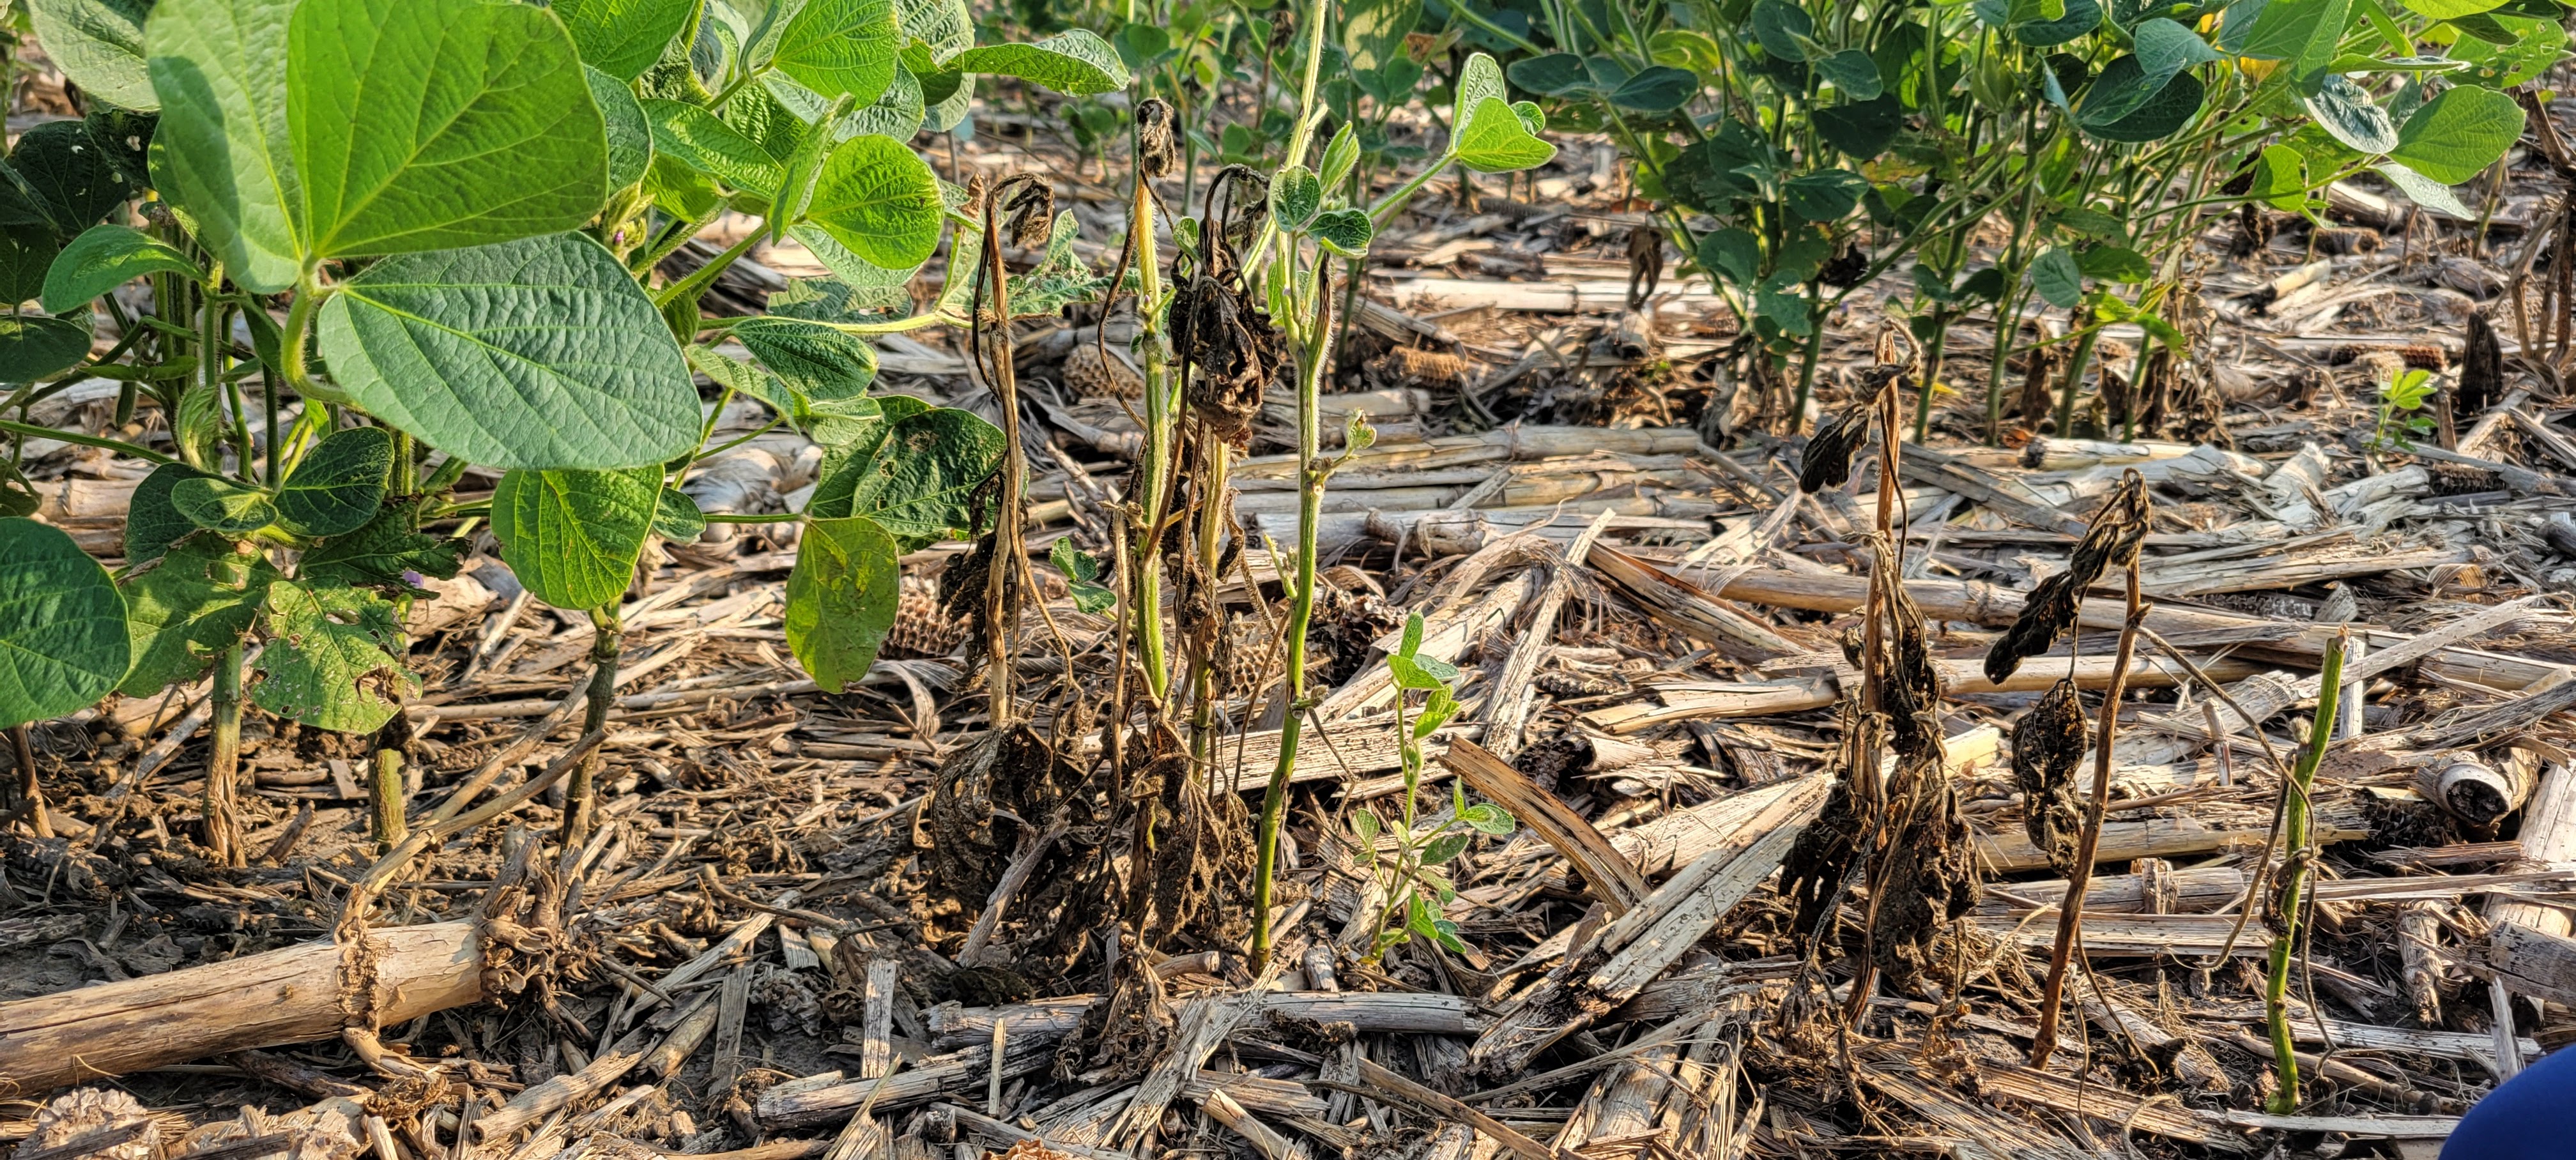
x=841, y=598
x=332, y=658
x=573, y=536
x=63, y=638
x=196, y=602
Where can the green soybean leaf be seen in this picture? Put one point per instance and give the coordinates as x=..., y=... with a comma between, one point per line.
x=1075, y=62
x=2079, y=17
x=1853, y=72
x=2166, y=48
x=2161, y=116
x=1732, y=253
x=879, y=200
x=1825, y=195
x=432, y=124
x=1783, y=29
x=73, y=181
x=1861, y=129
x=2280, y=177
x=99, y=45
x=2452, y=9
x=1663, y=88
x=152, y=521
x=530, y=354
x=380, y=554
x=1443, y=849
x=1556, y=74
x=676, y=517
x=815, y=361
x=2300, y=33
x=2344, y=109
x=1496, y=140
x=332, y=660
x=104, y=257
x=1295, y=196
x=222, y=155
x=2425, y=191
x=944, y=26
x=697, y=138
x=2458, y=134
x=33, y=346
x=2058, y=278
x=841, y=598
x=198, y=601
x=899, y=114
x=2115, y=263
x=841, y=46
x=1082, y=575
x=622, y=37
x=916, y=476
x=27, y=251
x=1340, y=155
x=63, y=638
x=1347, y=232
x=125, y=136
x=2123, y=87
x=223, y=506
x=1488, y=818
x=629, y=135
x=572, y=536
x=340, y=484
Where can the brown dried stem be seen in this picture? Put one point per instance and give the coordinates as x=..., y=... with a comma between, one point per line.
x=2070, y=914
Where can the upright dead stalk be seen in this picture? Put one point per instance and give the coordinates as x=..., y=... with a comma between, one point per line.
x=2114, y=538
x=1028, y=201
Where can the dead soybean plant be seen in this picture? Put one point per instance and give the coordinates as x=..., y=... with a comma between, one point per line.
x=2118, y=530
x=1897, y=824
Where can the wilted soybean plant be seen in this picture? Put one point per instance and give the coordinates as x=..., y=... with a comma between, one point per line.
x=438, y=223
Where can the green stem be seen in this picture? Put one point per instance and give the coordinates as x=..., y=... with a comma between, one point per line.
x=704, y=276
x=1315, y=355
x=1146, y=558
x=1807, y=358
x=2074, y=378
x=385, y=800
x=2297, y=836
x=33, y=431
